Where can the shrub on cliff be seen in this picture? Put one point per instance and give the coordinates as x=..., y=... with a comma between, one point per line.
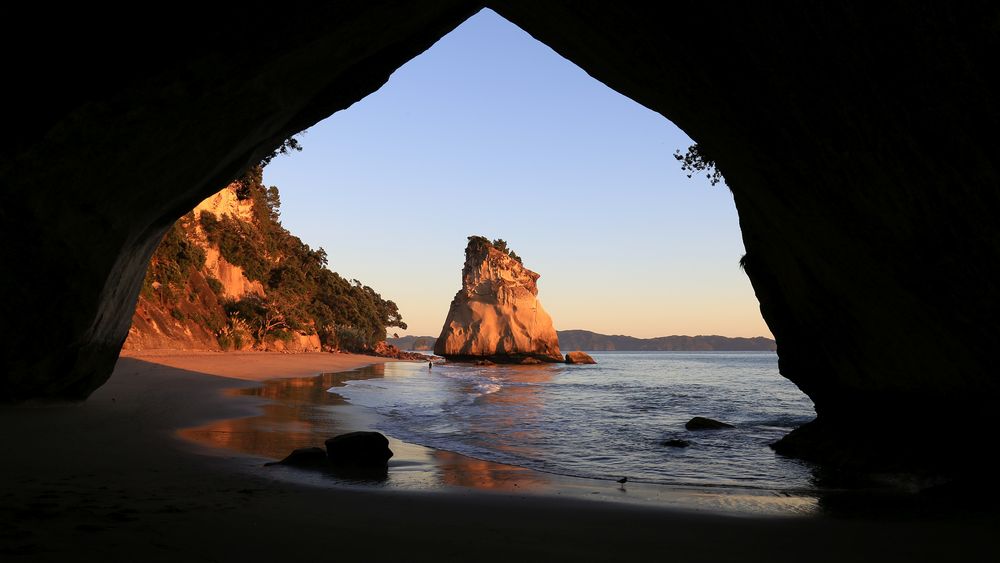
x=499, y=244
x=695, y=160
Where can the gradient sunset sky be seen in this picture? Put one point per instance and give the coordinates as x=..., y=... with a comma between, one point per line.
x=491, y=132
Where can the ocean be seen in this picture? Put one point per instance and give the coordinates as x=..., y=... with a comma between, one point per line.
x=549, y=429
x=602, y=421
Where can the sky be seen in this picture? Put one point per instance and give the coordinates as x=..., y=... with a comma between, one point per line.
x=490, y=132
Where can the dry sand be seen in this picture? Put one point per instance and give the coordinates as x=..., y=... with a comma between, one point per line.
x=107, y=480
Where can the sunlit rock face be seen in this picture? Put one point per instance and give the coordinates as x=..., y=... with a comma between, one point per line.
x=497, y=314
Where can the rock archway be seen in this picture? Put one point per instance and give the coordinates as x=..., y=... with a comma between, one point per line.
x=851, y=136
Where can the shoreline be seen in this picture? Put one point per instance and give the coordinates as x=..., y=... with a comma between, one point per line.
x=287, y=422
x=108, y=480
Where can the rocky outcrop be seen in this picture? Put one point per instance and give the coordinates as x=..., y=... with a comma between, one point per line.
x=385, y=350
x=579, y=358
x=359, y=448
x=671, y=443
x=702, y=423
x=364, y=449
x=304, y=457
x=497, y=314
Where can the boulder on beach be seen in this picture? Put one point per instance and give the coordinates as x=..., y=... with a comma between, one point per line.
x=359, y=449
x=579, y=358
x=496, y=314
x=305, y=457
x=702, y=423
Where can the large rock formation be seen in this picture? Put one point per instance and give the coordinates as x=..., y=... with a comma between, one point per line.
x=497, y=314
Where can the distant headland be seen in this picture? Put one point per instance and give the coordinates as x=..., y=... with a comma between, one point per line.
x=592, y=341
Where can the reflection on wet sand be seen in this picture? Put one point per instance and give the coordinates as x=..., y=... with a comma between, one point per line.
x=302, y=413
x=461, y=471
x=299, y=416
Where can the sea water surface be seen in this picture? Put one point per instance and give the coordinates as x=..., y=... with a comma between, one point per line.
x=602, y=421
x=550, y=429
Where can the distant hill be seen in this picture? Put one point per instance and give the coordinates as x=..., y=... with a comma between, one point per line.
x=570, y=340
x=421, y=343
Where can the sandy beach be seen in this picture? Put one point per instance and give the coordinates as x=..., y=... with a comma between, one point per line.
x=110, y=480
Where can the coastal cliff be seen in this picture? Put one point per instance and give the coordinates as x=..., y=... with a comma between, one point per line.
x=228, y=276
x=182, y=305
x=497, y=314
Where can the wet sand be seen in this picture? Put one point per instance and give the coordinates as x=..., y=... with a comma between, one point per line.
x=301, y=413
x=109, y=480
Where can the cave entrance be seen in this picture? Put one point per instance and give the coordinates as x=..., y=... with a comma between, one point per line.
x=490, y=132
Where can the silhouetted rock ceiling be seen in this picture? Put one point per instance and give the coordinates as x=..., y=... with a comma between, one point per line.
x=857, y=140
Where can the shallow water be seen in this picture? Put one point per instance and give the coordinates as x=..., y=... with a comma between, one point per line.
x=549, y=429
x=605, y=420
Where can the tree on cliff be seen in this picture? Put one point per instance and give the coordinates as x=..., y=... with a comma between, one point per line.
x=499, y=244
x=695, y=160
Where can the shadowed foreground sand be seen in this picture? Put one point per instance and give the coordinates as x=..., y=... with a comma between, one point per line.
x=108, y=481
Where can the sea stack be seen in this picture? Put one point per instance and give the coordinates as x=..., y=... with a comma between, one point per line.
x=497, y=315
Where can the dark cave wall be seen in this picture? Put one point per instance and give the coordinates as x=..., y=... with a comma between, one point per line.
x=857, y=140
x=852, y=139
x=126, y=127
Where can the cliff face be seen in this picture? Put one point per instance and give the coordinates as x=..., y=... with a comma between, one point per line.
x=183, y=302
x=497, y=313
x=235, y=283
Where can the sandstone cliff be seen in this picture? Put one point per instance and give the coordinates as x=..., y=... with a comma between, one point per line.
x=183, y=303
x=497, y=313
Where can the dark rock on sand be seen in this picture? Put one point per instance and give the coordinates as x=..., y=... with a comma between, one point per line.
x=305, y=457
x=676, y=443
x=579, y=358
x=702, y=423
x=359, y=448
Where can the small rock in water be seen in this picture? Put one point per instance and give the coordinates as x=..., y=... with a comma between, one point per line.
x=359, y=448
x=579, y=358
x=305, y=457
x=485, y=363
x=702, y=423
x=529, y=361
x=677, y=443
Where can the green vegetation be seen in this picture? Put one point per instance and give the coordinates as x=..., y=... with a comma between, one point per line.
x=174, y=260
x=300, y=293
x=498, y=244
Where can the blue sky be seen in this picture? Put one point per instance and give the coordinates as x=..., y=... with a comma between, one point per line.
x=491, y=132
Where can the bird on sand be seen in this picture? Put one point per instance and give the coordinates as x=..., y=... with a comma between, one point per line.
x=622, y=481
